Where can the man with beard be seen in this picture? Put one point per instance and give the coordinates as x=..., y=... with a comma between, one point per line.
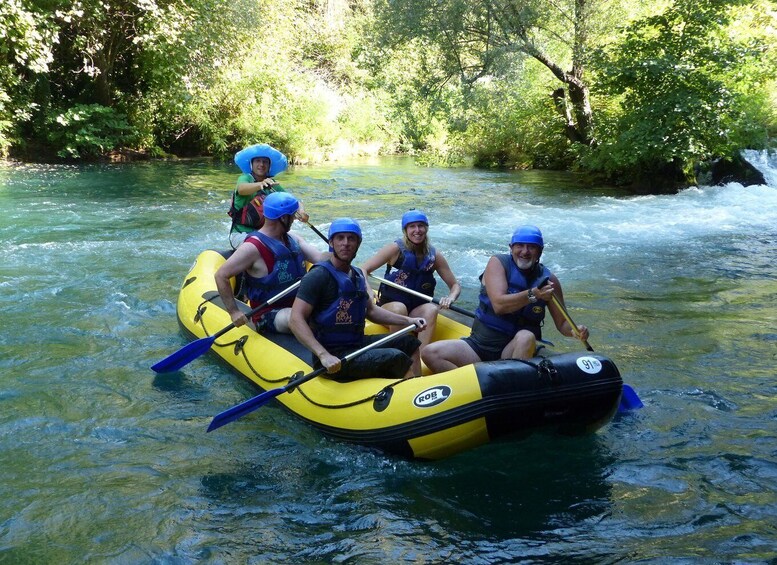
x=508, y=321
x=270, y=260
x=329, y=313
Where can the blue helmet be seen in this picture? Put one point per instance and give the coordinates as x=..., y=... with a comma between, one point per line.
x=279, y=204
x=528, y=234
x=342, y=225
x=278, y=161
x=414, y=216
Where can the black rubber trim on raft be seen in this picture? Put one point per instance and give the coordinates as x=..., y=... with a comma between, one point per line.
x=606, y=392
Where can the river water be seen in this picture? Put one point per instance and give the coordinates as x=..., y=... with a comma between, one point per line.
x=102, y=461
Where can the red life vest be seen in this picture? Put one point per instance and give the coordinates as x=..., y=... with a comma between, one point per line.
x=252, y=214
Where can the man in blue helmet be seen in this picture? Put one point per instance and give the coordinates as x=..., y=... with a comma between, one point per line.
x=269, y=261
x=513, y=301
x=330, y=310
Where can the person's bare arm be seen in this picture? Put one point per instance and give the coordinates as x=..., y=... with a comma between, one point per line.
x=446, y=274
x=298, y=322
x=246, y=188
x=503, y=302
x=240, y=261
x=309, y=252
x=386, y=254
x=562, y=324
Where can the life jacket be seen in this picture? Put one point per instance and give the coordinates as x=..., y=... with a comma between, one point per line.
x=288, y=268
x=530, y=317
x=252, y=214
x=408, y=273
x=342, y=322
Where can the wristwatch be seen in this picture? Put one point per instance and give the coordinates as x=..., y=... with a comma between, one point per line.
x=530, y=294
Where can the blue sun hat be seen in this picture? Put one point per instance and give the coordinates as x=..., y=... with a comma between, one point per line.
x=278, y=161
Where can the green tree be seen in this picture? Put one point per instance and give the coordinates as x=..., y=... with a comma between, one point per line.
x=690, y=85
x=26, y=37
x=486, y=38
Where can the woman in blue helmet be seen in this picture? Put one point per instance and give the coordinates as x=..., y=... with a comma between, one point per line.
x=329, y=313
x=259, y=164
x=513, y=301
x=269, y=261
x=411, y=262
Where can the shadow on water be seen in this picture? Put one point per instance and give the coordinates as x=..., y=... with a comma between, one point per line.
x=338, y=500
x=532, y=486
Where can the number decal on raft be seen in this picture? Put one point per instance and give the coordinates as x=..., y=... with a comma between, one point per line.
x=432, y=396
x=590, y=365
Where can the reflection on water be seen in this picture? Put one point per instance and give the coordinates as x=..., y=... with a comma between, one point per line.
x=104, y=461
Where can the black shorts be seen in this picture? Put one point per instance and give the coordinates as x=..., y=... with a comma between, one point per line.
x=390, y=361
x=410, y=302
x=486, y=342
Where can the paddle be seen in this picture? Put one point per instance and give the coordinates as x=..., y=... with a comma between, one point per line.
x=191, y=351
x=295, y=380
x=629, y=399
x=436, y=301
x=321, y=235
x=575, y=331
x=423, y=296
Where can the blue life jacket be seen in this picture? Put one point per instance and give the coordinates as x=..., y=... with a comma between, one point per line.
x=342, y=322
x=289, y=267
x=408, y=273
x=530, y=317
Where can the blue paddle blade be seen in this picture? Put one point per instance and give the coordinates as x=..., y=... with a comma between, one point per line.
x=244, y=408
x=184, y=356
x=629, y=400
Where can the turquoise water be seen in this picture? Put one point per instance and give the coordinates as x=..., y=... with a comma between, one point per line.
x=103, y=461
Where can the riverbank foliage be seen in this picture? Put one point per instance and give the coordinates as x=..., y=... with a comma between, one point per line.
x=629, y=91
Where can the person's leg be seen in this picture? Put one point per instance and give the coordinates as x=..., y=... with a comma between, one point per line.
x=522, y=346
x=401, y=309
x=397, y=308
x=428, y=312
x=448, y=354
x=282, y=318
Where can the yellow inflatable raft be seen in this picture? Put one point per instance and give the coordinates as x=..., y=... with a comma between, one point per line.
x=428, y=417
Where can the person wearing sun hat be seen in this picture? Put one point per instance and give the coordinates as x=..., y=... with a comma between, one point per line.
x=259, y=163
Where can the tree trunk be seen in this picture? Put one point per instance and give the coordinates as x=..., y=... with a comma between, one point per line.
x=579, y=120
x=581, y=106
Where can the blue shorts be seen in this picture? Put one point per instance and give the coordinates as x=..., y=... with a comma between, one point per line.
x=267, y=322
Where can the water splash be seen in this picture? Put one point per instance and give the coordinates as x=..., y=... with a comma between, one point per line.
x=765, y=162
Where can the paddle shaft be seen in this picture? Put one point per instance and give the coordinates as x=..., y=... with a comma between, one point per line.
x=629, y=398
x=575, y=331
x=423, y=296
x=191, y=351
x=269, y=302
x=321, y=235
x=296, y=382
x=260, y=400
